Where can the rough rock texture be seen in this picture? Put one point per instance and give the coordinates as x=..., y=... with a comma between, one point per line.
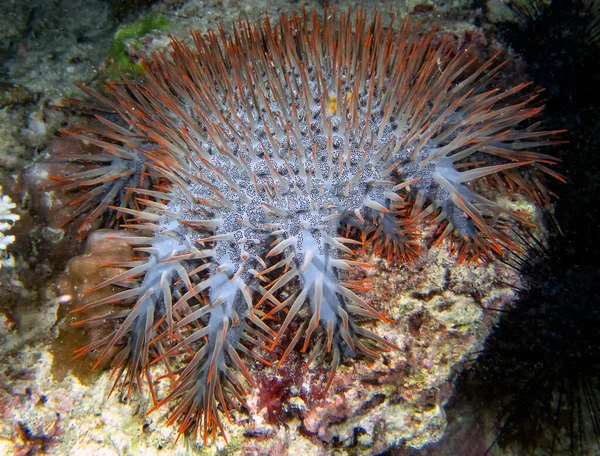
x=438, y=317
x=51, y=405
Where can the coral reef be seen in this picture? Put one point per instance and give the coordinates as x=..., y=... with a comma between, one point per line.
x=309, y=215
x=264, y=160
x=535, y=385
x=397, y=399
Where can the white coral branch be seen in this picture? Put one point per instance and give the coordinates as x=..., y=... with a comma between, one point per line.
x=6, y=205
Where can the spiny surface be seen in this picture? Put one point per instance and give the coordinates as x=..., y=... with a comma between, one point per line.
x=276, y=153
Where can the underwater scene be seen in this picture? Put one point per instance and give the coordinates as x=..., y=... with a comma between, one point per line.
x=285, y=228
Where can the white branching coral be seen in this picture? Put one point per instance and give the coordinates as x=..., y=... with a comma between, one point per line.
x=7, y=219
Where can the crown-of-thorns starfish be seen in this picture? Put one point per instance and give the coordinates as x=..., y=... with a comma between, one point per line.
x=254, y=166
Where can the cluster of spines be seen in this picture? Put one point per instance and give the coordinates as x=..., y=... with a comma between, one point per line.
x=357, y=107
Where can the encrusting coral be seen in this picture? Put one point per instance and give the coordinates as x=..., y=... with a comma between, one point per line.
x=253, y=169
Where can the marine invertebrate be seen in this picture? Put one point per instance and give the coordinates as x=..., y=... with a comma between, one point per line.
x=539, y=372
x=281, y=152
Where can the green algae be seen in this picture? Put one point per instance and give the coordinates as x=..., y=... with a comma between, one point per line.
x=131, y=35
